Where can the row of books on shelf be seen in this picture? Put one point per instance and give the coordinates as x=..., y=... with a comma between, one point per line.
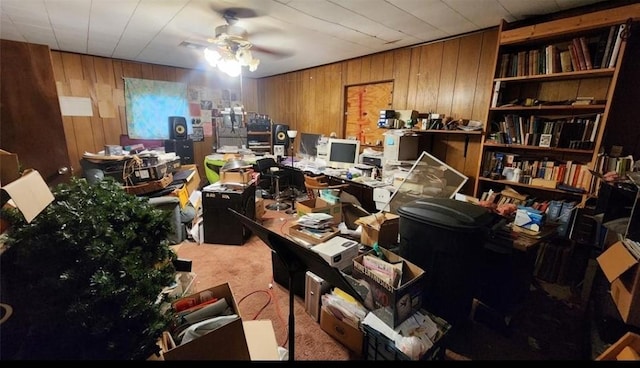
x=553, y=173
x=577, y=132
x=597, y=51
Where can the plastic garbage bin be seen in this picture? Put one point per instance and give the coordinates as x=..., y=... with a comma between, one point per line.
x=445, y=238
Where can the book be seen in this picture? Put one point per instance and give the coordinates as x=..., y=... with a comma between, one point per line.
x=579, y=53
x=584, y=46
x=607, y=50
x=574, y=57
x=565, y=61
x=598, y=48
x=616, y=45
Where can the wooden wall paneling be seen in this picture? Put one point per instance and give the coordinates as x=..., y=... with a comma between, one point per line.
x=387, y=72
x=354, y=70
x=147, y=71
x=454, y=156
x=414, y=76
x=118, y=95
x=474, y=151
x=466, y=76
x=73, y=69
x=96, y=126
x=376, y=69
x=335, y=114
x=105, y=85
x=30, y=110
x=431, y=63
x=323, y=101
x=164, y=73
x=484, y=79
x=448, y=76
x=249, y=94
x=67, y=122
x=365, y=69
x=401, y=66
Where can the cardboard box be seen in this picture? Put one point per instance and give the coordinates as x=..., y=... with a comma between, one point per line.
x=260, y=210
x=319, y=205
x=261, y=340
x=392, y=305
x=626, y=348
x=236, y=177
x=348, y=335
x=193, y=182
x=29, y=193
x=183, y=194
x=9, y=167
x=381, y=228
x=621, y=269
x=339, y=252
x=227, y=342
x=300, y=232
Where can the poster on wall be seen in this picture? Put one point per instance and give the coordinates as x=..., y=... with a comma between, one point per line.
x=198, y=134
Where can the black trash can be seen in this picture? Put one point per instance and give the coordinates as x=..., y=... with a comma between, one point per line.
x=445, y=238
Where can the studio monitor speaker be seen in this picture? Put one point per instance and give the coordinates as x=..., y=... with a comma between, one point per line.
x=177, y=127
x=280, y=136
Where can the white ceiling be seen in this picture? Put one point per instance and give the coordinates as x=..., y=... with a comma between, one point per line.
x=288, y=35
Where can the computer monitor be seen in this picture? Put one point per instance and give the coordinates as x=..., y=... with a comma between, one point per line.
x=309, y=144
x=342, y=153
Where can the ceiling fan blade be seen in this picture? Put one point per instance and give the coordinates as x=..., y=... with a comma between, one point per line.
x=278, y=53
x=232, y=15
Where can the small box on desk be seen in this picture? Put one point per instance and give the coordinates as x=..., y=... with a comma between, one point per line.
x=529, y=218
x=319, y=205
x=227, y=342
x=381, y=228
x=307, y=235
x=339, y=252
x=236, y=177
x=391, y=304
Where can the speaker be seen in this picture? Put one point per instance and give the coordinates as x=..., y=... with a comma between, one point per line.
x=219, y=225
x=182, y=147
x=280, y=136
x=177, y=127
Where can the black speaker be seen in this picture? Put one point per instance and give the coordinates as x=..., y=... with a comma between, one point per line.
x=177, y=127
x=280, y=136
x=182, y=147
x=219, y=225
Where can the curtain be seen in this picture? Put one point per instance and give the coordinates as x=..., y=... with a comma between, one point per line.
x=150, y=103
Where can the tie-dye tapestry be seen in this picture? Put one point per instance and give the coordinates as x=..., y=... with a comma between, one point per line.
x=149, y=103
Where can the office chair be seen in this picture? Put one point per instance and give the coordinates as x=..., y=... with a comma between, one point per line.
x=271, y=176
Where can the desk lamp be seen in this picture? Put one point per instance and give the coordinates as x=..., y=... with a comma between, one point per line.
x=292, y=137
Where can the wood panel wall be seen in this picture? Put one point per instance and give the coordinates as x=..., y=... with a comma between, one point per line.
x=450, y=77
x=101, y=79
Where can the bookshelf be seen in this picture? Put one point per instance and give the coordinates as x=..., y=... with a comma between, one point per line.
x=549, y=108
x=535, y=96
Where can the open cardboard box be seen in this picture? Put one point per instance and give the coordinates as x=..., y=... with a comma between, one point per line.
x=391, y=304
x=227, y=342
x=381, y=228
x=29, y=192
x=622, y=270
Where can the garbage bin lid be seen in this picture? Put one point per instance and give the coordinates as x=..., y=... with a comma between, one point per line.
x=447, y=213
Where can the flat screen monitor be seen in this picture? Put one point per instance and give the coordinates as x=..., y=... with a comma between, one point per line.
x=309, y=144
x=342, y=153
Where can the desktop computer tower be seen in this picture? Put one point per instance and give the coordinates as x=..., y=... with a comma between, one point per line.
x=314, y=287
x=220, y=225
x=182, y=147
x=400, y=148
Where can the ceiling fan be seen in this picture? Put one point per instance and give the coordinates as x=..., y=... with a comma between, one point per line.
x=232, y=47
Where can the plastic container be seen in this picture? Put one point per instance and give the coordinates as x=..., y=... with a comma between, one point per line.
x=445, y=238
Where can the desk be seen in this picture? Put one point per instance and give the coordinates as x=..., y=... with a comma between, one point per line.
x=507, y=269
x=362, y=192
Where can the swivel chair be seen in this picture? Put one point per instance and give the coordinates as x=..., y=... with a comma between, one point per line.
x=271, y=177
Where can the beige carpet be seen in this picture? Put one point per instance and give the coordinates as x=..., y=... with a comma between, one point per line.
x=247, y=268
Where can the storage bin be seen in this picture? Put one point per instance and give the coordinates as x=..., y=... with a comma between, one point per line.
x=445, y=237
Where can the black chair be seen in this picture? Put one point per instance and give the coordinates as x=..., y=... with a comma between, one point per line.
x=273, y=180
